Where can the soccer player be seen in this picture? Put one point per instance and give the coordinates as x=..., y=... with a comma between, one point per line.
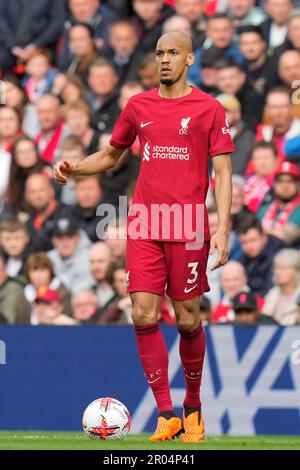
x=179, y=128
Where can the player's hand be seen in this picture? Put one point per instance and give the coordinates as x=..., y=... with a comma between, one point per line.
x=62, y=171
x=219, y=241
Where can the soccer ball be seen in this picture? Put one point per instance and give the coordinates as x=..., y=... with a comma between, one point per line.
x=106, y=419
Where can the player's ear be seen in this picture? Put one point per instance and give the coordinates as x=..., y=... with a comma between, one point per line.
x=190, y=59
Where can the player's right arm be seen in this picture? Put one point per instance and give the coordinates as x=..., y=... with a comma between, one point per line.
x=103, y=160
x=123, y=137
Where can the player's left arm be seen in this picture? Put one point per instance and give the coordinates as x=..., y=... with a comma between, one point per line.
x=223, y=194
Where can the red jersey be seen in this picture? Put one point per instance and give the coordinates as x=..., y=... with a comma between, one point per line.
x=177, y=136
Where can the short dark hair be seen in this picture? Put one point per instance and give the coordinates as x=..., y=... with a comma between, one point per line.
x=279, y=89
x=262, y=144
x=227, y=63
x=251, y=29
x=248, y=223
x=102, y=62
x=12, y=225
x=85, y=26
x=218, y=16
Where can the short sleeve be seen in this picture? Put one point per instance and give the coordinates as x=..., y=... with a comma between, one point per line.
x=219, y=136
x=124, y=132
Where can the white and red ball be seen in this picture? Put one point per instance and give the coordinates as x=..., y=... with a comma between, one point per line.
x=106, y=419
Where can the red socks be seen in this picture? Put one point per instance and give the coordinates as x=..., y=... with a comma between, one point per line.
x=155, y=361
x=192, y=352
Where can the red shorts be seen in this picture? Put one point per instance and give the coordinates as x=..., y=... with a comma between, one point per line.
x=157, y=266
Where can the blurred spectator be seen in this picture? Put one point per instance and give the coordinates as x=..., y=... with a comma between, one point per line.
x=43, y=209
x=293, y=37
x=148, y=72
x=281, y=300
x=92, y=13
x=24, y=162
x=53, y=129
x=274, y=28
x=192, y=11
x=244, y=13
x=289, y=68
x=88, y=191
x=149, y=19
x=127, y=91
x=247, y=313
x=220, y=40
x=281, y=217
x=232, y=79
x=10, y=127
x=16, y=246
x=102, y=94
x=259, y=67
x=177, y=23
x=72, y=150
x=264, y=159
x=9, y=130
x=120, y=310
x=84, y=306
x=83, y=50
x=39, y=74
x=238, y=207
x=14, y=308
x=241, y=134
x=205, y=310
x=68, y=88
x=70, y=254
x=259, y=250
x=116, y=240
x=123, y=40
x=101, y=268
x=281, y=122
x=289, y=73
x=39, y=273
x=78, y=116
x=209, y=71
x=48, y=309
x=16, y=97
x=26, y=25
x=233, y=280
x=123, y=8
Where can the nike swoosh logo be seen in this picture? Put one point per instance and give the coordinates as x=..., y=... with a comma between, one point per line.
x=143, y=124
x=152, y=381
x=186, y=290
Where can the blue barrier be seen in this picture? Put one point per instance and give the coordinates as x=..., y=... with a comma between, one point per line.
x=251, y=381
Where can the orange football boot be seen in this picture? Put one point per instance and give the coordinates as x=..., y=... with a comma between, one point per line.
x=194, y=429
x=167, y=429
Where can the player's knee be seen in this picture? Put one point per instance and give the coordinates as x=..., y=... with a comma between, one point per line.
x=143, y=314
x=187, y=324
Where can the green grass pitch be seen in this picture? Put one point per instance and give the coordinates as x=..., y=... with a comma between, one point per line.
x=78, y=441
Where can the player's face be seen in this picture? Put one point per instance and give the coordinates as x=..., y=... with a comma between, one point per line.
x=172, y=60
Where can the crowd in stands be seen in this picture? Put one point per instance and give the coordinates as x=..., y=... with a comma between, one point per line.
x=68, y=68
